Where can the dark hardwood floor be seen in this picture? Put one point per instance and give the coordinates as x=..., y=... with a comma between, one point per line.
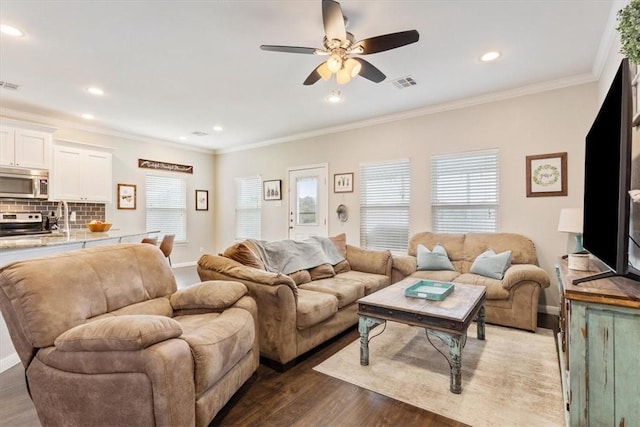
x=298, y=397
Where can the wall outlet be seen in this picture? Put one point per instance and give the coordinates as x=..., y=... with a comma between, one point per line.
x=201, y=249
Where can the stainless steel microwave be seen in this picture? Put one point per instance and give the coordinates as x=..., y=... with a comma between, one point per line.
x=18, y=183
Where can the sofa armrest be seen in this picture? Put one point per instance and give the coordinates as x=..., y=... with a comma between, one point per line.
x=369, y=260
x=120, y=333
x=405, y=264
x=212, y=294
x=232, y=268
x=518, y=273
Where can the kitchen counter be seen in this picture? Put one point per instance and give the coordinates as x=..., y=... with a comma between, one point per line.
x=77, y=238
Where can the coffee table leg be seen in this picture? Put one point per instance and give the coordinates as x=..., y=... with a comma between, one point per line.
x=456, y=344
x=480, y=323
x=364, y=324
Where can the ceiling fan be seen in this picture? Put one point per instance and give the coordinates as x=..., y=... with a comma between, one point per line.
x=339, y=45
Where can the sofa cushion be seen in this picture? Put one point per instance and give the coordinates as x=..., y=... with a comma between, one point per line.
x=340, y=242
x=322, y=271
x=314, y=307
x=346, y=291
x=439, y=275
x=218, y=341
x=368, y=260
x=494, y=286
x=212, y=294
x=371, y=282
x=300, y=277
x=342, y=267
x=491, y=264
x=244, y=253
x=437, y=259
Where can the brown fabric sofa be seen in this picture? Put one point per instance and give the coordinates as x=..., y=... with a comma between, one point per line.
x=306, y=308
x=106, y=338
x=512, y=301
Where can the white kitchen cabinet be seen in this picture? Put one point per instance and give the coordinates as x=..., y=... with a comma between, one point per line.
x=26, y=148
x=81, y=175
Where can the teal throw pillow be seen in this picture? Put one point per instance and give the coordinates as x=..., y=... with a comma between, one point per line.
x=491, y=264
x=433, y=260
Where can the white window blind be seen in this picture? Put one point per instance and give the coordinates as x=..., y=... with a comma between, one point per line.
x=385, y=198
x=248, y=213
x=464, y=192
x=167, y=205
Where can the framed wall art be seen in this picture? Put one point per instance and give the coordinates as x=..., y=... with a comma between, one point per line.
x=126, y=196
x=343, y=183
x=635, y=75
x=202, y=200
x=547, y=175
x=272, y=189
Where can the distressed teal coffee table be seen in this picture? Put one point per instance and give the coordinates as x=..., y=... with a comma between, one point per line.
x=448, y=319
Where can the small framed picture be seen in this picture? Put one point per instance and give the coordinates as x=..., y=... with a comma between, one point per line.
x=126, y=196
x=343, y=183
x=272, y=189
x=202, y=200
x=635, y=75
x=547, y=175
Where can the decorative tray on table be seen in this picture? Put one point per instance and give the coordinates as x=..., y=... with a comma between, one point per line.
x=429, y=289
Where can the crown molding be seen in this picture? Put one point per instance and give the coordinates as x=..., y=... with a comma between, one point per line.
x=448, y=106
x=609, y=36
x=34, y=119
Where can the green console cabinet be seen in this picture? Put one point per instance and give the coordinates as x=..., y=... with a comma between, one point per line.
x=600, y=327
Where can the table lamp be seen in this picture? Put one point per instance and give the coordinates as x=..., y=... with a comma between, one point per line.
x=571, y=222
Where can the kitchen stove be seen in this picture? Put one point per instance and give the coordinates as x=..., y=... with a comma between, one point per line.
x=22, y=224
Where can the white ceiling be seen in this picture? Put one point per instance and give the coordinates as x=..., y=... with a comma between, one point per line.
x=169, y=68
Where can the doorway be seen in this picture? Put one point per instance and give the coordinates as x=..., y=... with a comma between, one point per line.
x=308, y=202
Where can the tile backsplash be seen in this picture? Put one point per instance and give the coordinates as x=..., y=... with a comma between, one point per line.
x=85, y=212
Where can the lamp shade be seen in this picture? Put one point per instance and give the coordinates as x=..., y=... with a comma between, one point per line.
x=570, y=220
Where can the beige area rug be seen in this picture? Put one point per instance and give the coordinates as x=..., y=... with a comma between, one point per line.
x=510, y=379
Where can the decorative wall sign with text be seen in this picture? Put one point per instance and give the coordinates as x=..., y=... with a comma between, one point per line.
x=172, y=167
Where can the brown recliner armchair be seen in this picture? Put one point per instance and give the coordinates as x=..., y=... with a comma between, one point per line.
x=106, y=338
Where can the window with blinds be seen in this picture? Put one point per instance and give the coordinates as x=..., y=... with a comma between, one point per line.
x=167, y=205
x=464, y=192
x=248, y=214
x=385, y=198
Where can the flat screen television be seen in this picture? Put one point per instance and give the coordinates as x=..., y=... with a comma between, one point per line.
x=608, y=179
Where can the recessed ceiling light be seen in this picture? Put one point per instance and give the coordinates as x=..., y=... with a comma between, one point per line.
x=334, y=97
x=95, y=91
x=217, y=128
x=182, y=138
x=87, y=116
x=10, y=31
x=490, y=56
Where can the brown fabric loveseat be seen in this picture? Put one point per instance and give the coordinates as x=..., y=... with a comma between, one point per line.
x=301, y=310
x=106, y=338
x=511, y=301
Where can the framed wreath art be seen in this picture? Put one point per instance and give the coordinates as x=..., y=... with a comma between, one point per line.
x=547, y=175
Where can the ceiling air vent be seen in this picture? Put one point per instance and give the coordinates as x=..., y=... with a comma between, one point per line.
x=7, y=85
x=404, y=82
x=198, y=133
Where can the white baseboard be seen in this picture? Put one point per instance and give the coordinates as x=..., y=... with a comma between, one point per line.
x=549, y=309
x=9, y=361
x=184, y=264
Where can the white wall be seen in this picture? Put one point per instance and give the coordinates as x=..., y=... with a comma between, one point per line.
x=554, y=121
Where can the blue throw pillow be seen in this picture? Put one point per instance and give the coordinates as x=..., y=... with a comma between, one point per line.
x=433, y=260
x=490, y=264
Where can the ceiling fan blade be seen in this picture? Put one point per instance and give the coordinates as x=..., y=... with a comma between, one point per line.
x=333, y=20
x=370, y=72
x=313, y=77
x=288, y=49
x=387, y=42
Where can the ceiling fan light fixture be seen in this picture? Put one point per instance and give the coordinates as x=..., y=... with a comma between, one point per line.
x=353, y=67
x=343, y=76
x=324, y=71
x=334, y=63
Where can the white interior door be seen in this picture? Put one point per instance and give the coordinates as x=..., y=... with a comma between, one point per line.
x=308, y=202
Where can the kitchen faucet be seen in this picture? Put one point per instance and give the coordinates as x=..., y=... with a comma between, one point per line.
x=64, y=203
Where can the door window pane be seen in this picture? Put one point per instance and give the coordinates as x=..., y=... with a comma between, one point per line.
x=307, y=200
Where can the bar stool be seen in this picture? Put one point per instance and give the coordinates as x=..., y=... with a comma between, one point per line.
x=166, y=246
x=150, y=240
